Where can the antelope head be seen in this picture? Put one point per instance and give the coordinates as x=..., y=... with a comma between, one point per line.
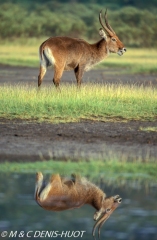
x=108, y=207
x=113, y=42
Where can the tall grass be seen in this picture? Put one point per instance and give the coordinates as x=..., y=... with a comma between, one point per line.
x=92, y=101
x=112, y=171
x=24, y=52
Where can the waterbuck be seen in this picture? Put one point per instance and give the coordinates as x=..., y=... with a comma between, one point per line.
x=66, y=53
x=67, y=193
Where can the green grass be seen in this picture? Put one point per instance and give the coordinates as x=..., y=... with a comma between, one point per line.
x=112, y=171
x=92, y=101
x=19, y=56
x=24, y=52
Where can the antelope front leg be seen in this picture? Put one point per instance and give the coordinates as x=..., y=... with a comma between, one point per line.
x=58, y=72
x=79, y=70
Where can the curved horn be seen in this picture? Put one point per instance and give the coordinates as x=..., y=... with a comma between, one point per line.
x=101, y=22
x=104, y=219
x=99, y=223
x=107, y=24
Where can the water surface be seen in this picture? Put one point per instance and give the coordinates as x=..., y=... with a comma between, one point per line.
x=134, y=219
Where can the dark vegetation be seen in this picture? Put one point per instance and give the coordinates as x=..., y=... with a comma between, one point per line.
x=134, y=21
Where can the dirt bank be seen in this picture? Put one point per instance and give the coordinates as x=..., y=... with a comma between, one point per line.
x=27, y=141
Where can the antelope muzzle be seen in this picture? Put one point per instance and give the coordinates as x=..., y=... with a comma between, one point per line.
x=121, y=51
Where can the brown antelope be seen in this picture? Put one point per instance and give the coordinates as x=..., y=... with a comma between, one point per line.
x=66, y=53
x=67, y=193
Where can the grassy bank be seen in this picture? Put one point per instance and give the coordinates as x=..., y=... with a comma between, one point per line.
x=110, y=171
x=92, y=101
x=24, y=52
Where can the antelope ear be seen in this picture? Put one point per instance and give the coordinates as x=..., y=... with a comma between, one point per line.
x=102, y=34
x=97, y=214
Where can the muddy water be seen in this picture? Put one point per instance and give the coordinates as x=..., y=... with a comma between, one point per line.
x=135, y=219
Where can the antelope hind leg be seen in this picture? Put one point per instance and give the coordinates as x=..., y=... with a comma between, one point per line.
x=41, y=75
x=39, y=183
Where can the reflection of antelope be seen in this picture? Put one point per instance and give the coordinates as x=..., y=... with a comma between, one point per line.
x=66, y=53
x=68, y=193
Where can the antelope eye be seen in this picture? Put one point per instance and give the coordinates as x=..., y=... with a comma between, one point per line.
x=113, y=39
x=108, y=210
